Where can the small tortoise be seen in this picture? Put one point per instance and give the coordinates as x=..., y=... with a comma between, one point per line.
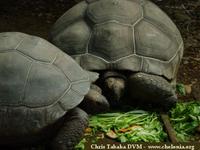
x=132, y=44
x=40, y=87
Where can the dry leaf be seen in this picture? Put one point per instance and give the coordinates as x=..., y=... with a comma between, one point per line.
x=123, y=130
x=100, y=136
x=88, y=130
x=111, y=134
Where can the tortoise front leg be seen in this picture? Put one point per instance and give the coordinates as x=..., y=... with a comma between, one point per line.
x=152, y=89
x=71, y=131
x=94, y=102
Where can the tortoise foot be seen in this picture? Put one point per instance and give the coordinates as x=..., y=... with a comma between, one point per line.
x=72, y=130
x=152, y=89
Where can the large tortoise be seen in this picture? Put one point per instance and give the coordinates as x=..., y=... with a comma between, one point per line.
x=132, y=43
x=40, y=87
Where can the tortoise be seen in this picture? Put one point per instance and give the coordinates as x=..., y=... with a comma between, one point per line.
x=40, y=90
x=133, y=44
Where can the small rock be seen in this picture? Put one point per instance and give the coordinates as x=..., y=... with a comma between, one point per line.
x=196, y=91
x=40, y=15
x=185, y=62
x=188, y=88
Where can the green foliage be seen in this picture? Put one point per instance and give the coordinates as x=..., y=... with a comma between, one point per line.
x=185, y=118
x=133, y=126
x=143, y=126
x=180, y=89
x=81, y=145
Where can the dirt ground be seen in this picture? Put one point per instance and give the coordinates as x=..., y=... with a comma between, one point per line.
x=37, y=17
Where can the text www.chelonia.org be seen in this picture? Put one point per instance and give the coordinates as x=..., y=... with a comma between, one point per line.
x=145, y=146
x=172, y=147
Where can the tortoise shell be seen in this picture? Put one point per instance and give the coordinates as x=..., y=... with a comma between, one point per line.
x=38, y=84
x=132, y=35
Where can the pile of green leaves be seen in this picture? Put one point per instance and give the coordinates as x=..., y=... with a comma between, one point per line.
x=185, y=118
x=132, y=126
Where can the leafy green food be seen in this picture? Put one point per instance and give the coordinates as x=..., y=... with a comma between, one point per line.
x=143, y=126
x=180, y=89
x=185, y=118
x=81, y=145
x=132, y=126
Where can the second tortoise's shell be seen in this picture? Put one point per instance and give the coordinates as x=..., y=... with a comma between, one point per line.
x=130, y=35
x=38, y=84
